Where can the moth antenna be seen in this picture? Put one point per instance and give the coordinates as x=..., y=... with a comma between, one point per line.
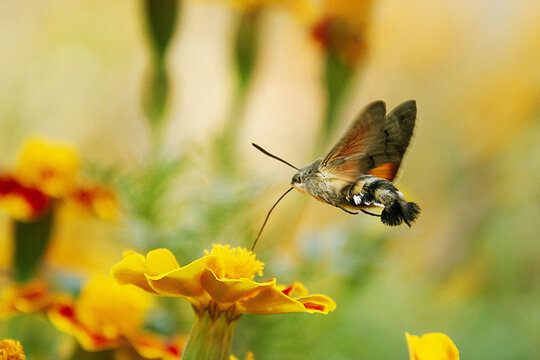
x=268, y=215
x=273, y=156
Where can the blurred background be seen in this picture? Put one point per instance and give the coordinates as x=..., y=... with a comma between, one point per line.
x=162, y=100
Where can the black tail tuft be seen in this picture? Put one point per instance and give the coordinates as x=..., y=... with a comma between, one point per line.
x=411, y=211
x=397, y=213
x=392, y=215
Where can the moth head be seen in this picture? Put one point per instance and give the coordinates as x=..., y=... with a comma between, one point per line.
x=297, y=182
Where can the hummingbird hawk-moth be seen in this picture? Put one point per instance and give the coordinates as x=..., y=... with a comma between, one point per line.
x=357, y=173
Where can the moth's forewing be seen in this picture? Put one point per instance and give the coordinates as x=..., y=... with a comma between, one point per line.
x=350, y=157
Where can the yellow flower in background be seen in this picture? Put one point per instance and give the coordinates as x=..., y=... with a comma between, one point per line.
x=249, y=356
x=221, y=280
x=304, y=10
x=48, y=166
x=95, y=200
x=11, y=350
x=103, y=308
x=47, y=171
x=431, y=346
x=21, y=202
x=221, y=288
x=352, y=12
x=342, y=28
x=107, y=314
x=112, y=310
x=45, y=181
x=25, y=298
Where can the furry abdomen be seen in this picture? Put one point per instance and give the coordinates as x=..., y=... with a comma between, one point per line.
x=370, y=191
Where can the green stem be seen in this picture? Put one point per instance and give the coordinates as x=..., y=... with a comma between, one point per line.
x=210, y=339
x=245, y=47
x=161, y=19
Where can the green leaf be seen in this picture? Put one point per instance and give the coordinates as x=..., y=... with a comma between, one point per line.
x=31, y=240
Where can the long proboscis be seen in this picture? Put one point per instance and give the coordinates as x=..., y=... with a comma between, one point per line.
x=268, y=216
x=273, y=156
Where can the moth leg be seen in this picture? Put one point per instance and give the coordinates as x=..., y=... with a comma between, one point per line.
x=347, y=211
x=369, y=213
x=396, y=210
x=358, y=193
x=363, y=197
x=370, y=190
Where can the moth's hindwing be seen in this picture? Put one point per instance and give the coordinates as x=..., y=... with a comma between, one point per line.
x=374, y=144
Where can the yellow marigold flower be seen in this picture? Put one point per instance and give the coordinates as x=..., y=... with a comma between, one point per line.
x=222, y=278
x=11, y=350
x=103, y=314
x=220, y=287
x=47, y=170
x=48, y=166
x=431, y=346
x=25, y=298
x=112, y=310
x=106, y=315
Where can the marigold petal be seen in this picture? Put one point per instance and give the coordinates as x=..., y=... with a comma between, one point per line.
x=22, y=202
x=182, y=282
x=63, y=316
x=270, y=301
x=24, y=298
x=317, y=303
x=150, y=346
x=161, y=261
x=296, y=288
x=431, y=346
x=106, y=307
x=230, y=290
x=132, y=270
x=49, y=166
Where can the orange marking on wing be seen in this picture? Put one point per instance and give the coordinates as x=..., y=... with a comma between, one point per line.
x=386, y=171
